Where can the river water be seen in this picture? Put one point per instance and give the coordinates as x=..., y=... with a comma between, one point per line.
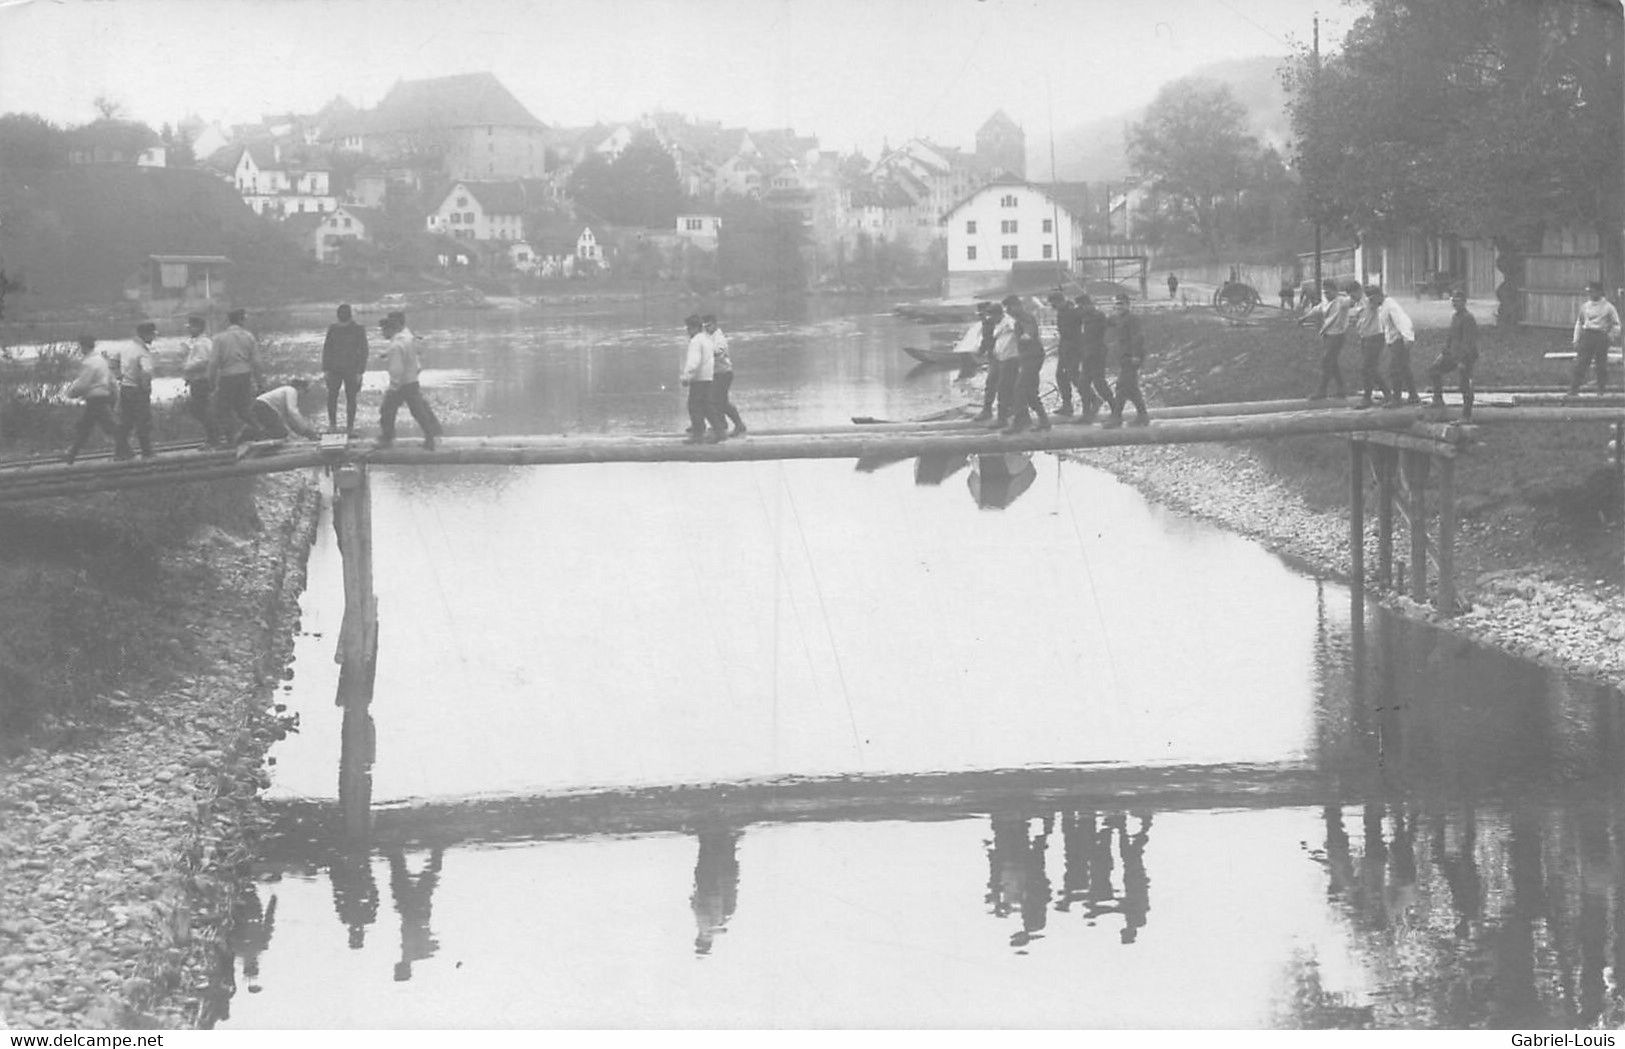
x=940, y=744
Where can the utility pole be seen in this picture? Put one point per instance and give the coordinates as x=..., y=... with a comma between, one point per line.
x=1314, y=88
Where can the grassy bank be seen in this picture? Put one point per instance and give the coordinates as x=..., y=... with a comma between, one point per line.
x=1545, y=494
x=89, y=608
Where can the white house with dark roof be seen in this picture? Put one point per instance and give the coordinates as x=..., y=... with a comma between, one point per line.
x=478, y=210
x=1011, y=221
x=271, y=186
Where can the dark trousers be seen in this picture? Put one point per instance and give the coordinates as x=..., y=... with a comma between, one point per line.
x=1447, y=363
x=350, y=383
x=1399, y=371
x=1593, y=346
x=1330, y=370
x=134, y=414
x=1097, y=391
x=719, y=389
x=703, y=409
x=98, y=412
x=1128, y=391
x=1371, y=366
x=1029, y=363
x=199, y=406
x=411, y=395
x=268, y=422
x=1069, y=375
x=234, y=397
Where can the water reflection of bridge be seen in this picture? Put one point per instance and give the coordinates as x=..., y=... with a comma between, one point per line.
x=1471, y=842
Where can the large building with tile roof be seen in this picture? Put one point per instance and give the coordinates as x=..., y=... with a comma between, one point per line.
x=470, y=124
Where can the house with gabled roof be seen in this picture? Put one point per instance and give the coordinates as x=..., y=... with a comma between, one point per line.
x=481, y=210
x=1011, y=221
x=470, y=122
x=272, y=185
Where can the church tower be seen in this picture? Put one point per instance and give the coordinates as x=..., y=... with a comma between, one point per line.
x=1002, y=144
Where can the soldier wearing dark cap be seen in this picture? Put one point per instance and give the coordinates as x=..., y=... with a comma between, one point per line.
x=135, y=392
x=344, y=360
x=722, y=378
x=1460, y=351
x=404, y=363
x=1596, y=322
x=1366, y=325
x=198, y=349
x=699, y=370
x=234, y=372
x=1096, y=390
x=1131, y=355
x=1029, y=362
x=1068, y=352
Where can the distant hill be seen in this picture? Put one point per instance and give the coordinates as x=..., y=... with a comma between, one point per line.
x=1093, y=151
x=77, y=234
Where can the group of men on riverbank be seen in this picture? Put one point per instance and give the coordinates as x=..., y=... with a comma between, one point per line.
x=1380, y=324
x=225, y=393
x=1007, y=337
x=708, y=375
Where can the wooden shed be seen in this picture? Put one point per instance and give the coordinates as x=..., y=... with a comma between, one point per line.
x=1555, y=279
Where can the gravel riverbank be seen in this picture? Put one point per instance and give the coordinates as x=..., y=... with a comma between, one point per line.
x=1533, y=610
x=119, y=858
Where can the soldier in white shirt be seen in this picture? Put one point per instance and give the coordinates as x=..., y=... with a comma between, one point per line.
x=1399, y=336
x=1595, y=324
x=135, y=392
x=197, y=348
x=276, y=411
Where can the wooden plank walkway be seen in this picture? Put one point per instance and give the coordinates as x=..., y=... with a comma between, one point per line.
x=45, y=478
x=306, y=827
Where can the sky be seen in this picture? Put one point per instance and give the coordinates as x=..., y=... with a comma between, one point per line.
x=855, y=73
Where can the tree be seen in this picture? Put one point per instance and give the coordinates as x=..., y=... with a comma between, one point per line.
x=1481, y=118
x=762, y=245
x=31, y=143
x=1194, y=146
x=177, y=150
x=638, y=188
x=108, y=107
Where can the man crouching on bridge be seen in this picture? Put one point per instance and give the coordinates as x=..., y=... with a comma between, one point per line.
x=401, y=358
x=276, y=411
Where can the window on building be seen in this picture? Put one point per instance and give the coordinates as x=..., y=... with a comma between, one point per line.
x=346, y=223
x=970, y=253
x=462, y=202
x=693, y=224
x=1007, y=201
x=970, y=226
x=1007, y=226
x=1049, y=251
x=1008, y=251
x=1049, y=225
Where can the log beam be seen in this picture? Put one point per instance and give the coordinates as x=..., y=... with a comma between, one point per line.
x=1446, y=602
x=1357, y=514
x=1416, y=479
x=1386, y=463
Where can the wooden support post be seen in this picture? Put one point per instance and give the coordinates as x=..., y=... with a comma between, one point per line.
x=352, y=516
x=1356, y=515
x=1447, y=537
x=1416, y=479
x=1387, y=459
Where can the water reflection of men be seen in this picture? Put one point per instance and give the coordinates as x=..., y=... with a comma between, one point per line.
x=1461, y=871
x=414, y=898
x=1016, y=877
x=1136, y=902
x=716, y=886
x=355, y=892
x=251, y=934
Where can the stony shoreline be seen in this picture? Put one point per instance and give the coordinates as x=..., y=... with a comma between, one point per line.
x=119, y=860
x=1533, y=611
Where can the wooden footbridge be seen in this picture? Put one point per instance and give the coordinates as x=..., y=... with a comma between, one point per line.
x=1400, y=446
